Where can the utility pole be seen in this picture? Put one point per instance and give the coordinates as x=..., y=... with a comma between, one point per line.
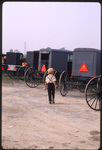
x=24, y=48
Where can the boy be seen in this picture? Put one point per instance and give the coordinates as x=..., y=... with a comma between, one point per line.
x=51, y=81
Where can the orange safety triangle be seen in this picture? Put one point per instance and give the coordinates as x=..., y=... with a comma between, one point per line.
x=43, y=69
x=83, y=68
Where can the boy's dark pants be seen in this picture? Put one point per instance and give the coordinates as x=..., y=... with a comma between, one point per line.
x=51, y=91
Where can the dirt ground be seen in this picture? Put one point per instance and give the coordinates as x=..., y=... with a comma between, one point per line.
x=30, y=122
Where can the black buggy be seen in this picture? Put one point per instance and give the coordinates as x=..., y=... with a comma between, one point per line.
x=31, y=60
x=4, y=65
x=59, y=59
x=86, y=65
x=14, y=62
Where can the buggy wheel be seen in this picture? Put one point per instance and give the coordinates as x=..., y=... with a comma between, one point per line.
x=93, y=93
x=12, y=74
x=31, y=78
x=63, y=83
x=21, y=72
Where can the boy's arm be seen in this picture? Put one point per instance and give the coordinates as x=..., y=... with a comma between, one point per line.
x=54, y=84
x=45, y=86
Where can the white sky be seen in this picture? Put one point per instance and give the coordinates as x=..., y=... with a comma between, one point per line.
x=51, y=24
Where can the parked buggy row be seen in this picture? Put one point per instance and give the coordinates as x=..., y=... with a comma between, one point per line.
x=80, y=67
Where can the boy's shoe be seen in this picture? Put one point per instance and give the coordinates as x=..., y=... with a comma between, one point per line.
x=49, y=102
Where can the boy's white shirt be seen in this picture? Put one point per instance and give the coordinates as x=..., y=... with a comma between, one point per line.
x=50, y=77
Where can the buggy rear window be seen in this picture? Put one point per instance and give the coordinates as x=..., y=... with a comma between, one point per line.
x=44, y=56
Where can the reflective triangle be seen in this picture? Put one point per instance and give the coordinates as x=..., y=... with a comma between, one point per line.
x=83, y=68
x=43, y=69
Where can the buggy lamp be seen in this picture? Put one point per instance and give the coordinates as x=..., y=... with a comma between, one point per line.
x=14, y=68
x=2, y=68
x=72, y=72
x=93, y=73
x=71, y=78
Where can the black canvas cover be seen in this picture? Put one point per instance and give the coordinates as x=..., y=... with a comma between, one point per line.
x=59, y=61
x=86, y=62
x=32, y=58
x=14, y=58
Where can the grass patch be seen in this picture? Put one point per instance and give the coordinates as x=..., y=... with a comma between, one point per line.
x=7, y=79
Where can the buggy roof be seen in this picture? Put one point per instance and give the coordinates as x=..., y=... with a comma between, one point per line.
x=55, y=50
x=13, y=53
x=86, y=49
x=33, y=51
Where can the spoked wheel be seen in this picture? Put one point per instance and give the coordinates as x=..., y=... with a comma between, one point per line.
x=93, y=93
x=12, y=74
x=63, y=83
x=21, y=72
x=31, y=78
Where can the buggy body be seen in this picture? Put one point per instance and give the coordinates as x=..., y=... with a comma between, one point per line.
x=14, y=58
x=59, y=59
x=86, y=63
x=14, y=62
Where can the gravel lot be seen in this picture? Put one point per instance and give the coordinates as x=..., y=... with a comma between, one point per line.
x=30, y=122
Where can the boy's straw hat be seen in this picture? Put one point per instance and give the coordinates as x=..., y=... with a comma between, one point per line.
x=50, y=70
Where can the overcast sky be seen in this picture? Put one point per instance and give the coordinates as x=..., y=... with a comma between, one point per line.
x=51, y=24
